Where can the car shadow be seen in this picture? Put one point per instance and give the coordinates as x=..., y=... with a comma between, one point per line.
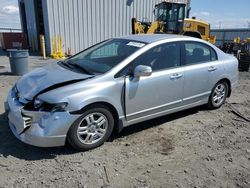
x=11, y=146
x=157, y=121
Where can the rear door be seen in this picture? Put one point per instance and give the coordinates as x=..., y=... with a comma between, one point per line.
x=162, y=91
x=198, y=67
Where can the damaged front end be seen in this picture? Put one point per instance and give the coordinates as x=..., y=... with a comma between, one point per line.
x=35, y=121
x=38, y=123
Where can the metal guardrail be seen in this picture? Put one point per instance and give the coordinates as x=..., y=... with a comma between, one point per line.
x=9, y=29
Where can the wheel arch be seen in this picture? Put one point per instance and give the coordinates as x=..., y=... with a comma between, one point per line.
x=228, y=83
x=118, y=125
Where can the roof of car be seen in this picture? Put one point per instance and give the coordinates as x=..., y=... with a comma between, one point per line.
x=150, y=38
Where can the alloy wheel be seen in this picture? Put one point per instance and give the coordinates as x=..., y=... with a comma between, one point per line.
x=92, y=128
x=219, y=94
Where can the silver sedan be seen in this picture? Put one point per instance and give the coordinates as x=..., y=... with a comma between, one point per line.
x=117, y=83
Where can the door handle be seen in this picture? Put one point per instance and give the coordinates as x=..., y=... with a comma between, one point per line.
x=212, y=68
x=176, y=76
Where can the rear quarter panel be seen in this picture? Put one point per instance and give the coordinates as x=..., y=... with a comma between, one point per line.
x=229, y=67
x=230, y=64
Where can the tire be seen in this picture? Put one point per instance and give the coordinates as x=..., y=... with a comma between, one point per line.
x=218, y=95
x=92, y=129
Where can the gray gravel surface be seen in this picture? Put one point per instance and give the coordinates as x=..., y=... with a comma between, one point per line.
x=193, y=148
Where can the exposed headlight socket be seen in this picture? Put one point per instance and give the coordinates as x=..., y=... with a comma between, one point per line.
x=37, y=103
x=59, y=107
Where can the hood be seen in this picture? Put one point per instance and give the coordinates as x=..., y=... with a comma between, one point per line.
x=48, y=76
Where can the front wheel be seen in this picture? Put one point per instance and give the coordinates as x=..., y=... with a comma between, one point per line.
x=92, y=129
x=218, y=95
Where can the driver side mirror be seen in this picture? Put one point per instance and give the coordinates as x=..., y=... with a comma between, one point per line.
x=142, y=70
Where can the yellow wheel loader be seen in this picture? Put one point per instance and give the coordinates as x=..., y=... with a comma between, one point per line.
x=171, y=18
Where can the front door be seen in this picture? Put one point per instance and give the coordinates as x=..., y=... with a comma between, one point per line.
x=155, y=95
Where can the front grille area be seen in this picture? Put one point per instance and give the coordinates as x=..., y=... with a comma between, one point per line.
x=27, y=121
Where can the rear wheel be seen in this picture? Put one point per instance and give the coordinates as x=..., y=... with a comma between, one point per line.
x=92, y=129
x=218, y=95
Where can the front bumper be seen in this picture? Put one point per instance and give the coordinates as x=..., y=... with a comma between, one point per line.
x=42, y=129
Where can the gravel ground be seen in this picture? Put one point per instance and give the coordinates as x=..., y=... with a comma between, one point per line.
x=193, y=148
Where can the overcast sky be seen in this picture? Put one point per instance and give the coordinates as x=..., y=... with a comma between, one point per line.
x=219, y=13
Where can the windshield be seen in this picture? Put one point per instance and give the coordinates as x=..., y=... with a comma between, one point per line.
x=102, y=57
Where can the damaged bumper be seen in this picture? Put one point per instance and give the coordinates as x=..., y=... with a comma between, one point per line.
x=43, y=129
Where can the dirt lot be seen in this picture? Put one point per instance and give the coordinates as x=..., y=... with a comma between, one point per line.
x=193, y=148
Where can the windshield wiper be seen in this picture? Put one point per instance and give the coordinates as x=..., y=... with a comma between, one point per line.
x=65, y=64
x=79, y=67
x=73, y=65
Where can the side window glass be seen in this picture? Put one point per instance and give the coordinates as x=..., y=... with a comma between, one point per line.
x=213, y=55
x=198, y=53
x=160, y=57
